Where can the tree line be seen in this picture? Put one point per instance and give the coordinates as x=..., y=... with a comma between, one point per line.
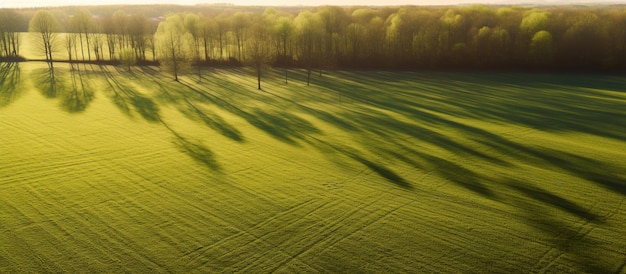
x=410, y=37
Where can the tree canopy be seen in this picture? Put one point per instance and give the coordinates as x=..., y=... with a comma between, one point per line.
x=409, y=37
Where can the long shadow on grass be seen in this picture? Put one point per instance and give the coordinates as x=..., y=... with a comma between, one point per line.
x=70, y=88
x=544, y=102
x=604, y=174
x=124, y=96
x=367, y=113
x=9, y=83
x=565, y=238
x=281, y=125
x=191, y=103
x=375, y=166
x=50, y=82
x=553, y=200
x=569, y=110
x=287, y=127
x=195, y=149
x=531, y=100
x=79, y=95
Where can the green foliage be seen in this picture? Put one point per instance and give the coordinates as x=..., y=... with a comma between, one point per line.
x=175, y=44
x=541, y=48
x=535, y=21
x=359, y=37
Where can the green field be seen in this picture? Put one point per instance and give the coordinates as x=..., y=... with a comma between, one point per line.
x=104, y=170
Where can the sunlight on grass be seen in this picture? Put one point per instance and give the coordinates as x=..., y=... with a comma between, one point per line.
x=105, y=170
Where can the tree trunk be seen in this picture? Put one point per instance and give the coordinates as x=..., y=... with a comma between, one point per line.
x=88, y=46
x=308, y=76
x=258, y=75
x=82, y=48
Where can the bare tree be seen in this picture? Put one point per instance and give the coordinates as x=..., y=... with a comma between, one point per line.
x=46, y=26
x=9, y=33
x=70, y=43
x=82, y=23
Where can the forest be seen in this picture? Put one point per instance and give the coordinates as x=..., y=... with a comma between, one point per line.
x=591, y=38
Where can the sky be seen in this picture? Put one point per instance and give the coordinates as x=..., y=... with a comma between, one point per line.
x=48, y=3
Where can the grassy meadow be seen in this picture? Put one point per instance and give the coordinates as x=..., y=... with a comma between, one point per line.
x=106, y=170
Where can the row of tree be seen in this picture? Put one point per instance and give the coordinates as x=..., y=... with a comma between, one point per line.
x=10, y=26
x=357, y=37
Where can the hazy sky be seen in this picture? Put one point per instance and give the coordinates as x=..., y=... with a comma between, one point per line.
x=46, y=3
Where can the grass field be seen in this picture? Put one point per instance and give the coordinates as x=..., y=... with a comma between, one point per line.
x=104, y=170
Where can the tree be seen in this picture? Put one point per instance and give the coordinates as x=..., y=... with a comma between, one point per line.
x=70, y=44
x=585, y=42
x=534, y=22
x=97, y=43
x=120, y=23
x=194, y=27
x=222, y=28
x=540, y=50
x=108, y=29
x=208, y=30
x=239, y=24
x=138, y=34
x=282, y=31
x=333, y=20
x=173, y=43
x=128, y=58
x=83, y=24
x=9, y=33
x=401, y=30
x=308, y=39
x=258, y=48
x=46, y=26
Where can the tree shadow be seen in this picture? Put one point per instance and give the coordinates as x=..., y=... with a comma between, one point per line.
x=145, y=107
x=281, y=125
x=10, y=77
x=604, y=174
x=73, y=91
x=459, y=175
x=330, y=150
x=565, y=239
x=553, y=200
x=50, y=82
x=386, y=127
x=212, y=120
x=78, y=97
x=384, y=172
x=552, y=102
x=195, y=149
x=124, y=96
x=189, y=102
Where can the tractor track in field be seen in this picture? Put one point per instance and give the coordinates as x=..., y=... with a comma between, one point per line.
x=325, y=243
x=254, y=237
x=328, y=178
